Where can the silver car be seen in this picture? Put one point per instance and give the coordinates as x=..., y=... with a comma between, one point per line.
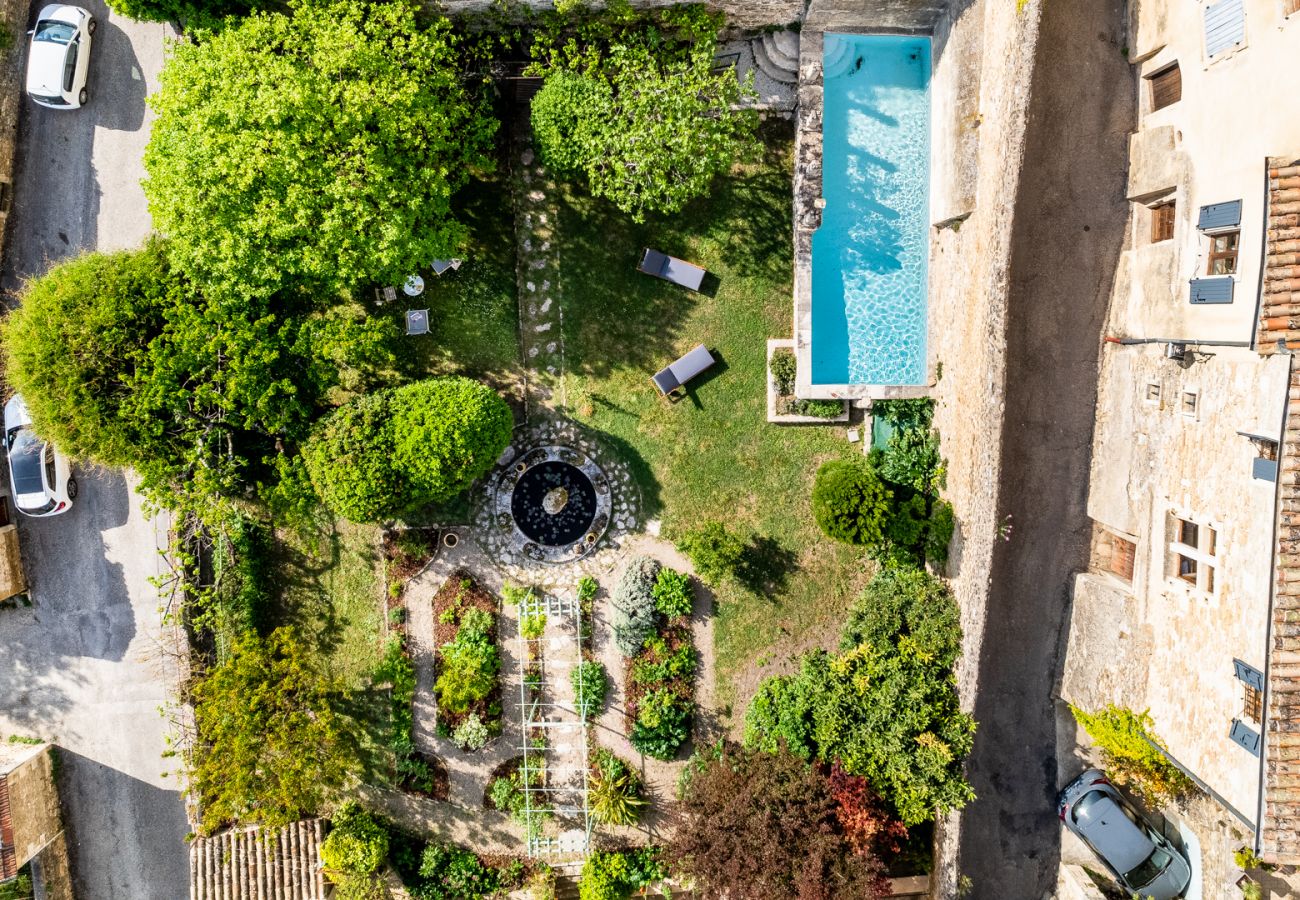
x=41, y=476
x=59, y=58
x=1141, y=858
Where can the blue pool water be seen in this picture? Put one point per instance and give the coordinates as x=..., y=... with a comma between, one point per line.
x=869, y=255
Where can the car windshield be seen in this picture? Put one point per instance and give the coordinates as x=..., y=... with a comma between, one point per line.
x=54, y=32
x=1150, y=868
x=25, y=457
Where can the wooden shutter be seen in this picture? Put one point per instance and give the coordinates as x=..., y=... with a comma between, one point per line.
x=1211, y=290
x=1244, y=735
x=1167, y=86
x=1249, y=674
x=1290, y=7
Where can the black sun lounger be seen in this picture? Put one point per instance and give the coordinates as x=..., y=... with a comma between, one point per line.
x=670, y=268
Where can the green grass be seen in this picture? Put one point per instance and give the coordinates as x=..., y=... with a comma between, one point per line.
x=713, y=455
x=473, y=317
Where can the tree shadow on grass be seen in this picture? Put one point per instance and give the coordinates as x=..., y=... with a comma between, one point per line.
x=766, y=566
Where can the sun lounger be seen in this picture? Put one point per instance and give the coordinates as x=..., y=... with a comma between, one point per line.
x=670, y=268
x=683, y=370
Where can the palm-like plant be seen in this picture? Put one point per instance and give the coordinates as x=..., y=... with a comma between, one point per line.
x=615, y=791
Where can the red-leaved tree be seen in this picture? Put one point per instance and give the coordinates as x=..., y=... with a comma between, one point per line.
x=760, y=825
x=868, y=826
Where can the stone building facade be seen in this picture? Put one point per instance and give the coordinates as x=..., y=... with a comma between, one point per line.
x=1176, y=611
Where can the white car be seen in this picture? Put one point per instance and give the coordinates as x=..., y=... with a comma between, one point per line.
x=59, y=58
x=41, y=476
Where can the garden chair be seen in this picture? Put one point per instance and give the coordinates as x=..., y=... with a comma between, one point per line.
x=673, y=378
x=670, y=268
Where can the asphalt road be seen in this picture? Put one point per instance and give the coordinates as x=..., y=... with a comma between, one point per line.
x=1069, y=231
x=82, y=666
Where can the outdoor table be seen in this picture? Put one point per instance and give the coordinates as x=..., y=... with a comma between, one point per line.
x=414, y=286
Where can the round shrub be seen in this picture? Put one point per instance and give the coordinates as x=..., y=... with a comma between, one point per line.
x=715, y=552
x=672, y=593
x=906, y=609
x=662, y=725
x=850, y=502
x=446, y=433
x=356, y=844
x=472, y=734
x=634, y=605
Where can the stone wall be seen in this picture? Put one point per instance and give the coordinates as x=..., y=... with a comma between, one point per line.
x=878, y=15
x=13, y=19
x=745, y=14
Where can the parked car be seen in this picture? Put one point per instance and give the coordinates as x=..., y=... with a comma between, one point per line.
x=59, y=59
x=41, y=476
x=1143, y=861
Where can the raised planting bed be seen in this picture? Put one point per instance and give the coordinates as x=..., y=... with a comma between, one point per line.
x=414, y=772
x=652, y=628
x=783, y=407
x=467, y=665
x=406, y=553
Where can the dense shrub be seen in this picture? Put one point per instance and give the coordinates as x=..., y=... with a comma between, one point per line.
x=590, y=682
x=912, y=458
x=784, y=368
x=658, y=663
x=616, y=874
x=818, y=409
x=506, y=794
x=1131, y=751
x=392, y=452
x=356, y=844
x=715, y=552
x=850, y=502
x=634, y=605
x=615, y=790
x=868, y=826
x=672, y=593
x=938, y=534
x=662, y=725
x=907, y=610
x=781, y=714
x=760, y=825
x=471, y=734
x=468, y=664
x=451, y=873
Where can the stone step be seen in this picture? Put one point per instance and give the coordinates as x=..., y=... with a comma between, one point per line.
x=838, y=57
x=787, y=42
x=776, y=70
x=780, y=51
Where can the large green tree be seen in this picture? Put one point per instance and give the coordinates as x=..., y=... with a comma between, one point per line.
x=393, y=452
x=638, y=109
x=271, y=742
x=318, y=147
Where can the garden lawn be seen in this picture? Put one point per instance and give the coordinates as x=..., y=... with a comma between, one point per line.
x=713, y=455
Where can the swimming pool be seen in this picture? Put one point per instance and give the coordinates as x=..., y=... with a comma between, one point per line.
x=869, y=256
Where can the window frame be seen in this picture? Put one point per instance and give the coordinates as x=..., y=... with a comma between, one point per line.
x=1195, y=565
x=1214, y=255
x=1164, y=217
x=1160, y=85
x=1194, y=395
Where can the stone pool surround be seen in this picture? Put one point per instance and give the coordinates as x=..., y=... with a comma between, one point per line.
x=808, y=218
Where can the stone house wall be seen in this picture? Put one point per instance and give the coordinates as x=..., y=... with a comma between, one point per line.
x=742, y=14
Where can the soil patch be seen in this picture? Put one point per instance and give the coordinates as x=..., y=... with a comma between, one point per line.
x=459, y=594
x=436, y=787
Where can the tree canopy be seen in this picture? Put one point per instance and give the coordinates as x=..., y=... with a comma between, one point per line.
x=394, y=451
x=758, y=825
x=271, y=742
x=639, y=110
x=319, y=147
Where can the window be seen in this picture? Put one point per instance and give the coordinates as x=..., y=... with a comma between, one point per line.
x=1192, y=553
x=1191, y=404
x=1162, y=222
x=1225, y=26
x=1122, y=553
x=1223, y=253
x=1252, y=684
x=70, y=67
x=1253, y=704
x=1152, y=394
x=1167, y=86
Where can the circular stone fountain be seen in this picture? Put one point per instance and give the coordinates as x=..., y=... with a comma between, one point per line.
x=556, y=501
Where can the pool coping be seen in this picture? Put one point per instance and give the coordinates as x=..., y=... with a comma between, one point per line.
x=808, y=205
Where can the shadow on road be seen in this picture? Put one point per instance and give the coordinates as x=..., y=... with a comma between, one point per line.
x=100, y=805
x=1070, y=221
x=116, y=83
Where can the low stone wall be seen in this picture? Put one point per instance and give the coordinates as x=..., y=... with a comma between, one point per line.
x=881, y=15
x=13, y=18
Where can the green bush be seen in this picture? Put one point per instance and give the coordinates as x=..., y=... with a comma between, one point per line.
x=905, y=414
x=715, y=552
x=634, y=605
x=450, y=873
x=662, y=725
x=912, y=459
x=1131, y=751
x=615, y=792
x=939, y=531
x=587, y=588
x=850, y=502
x=784, y=368
x=672, y=593
x=818, y=409
x=590, y=682
x=614, y=875
x=781, y=711
x=389, y=453
x=471, y=734
x=469, y=664
x=356, y=844
x=656, y=664
x=909, y=611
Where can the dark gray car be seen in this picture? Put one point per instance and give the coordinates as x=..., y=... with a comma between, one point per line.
x=1137, y=855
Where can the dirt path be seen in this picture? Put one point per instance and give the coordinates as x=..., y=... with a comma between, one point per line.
x=1069, y=227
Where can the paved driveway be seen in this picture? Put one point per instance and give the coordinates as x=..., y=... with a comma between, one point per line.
x=83, y=667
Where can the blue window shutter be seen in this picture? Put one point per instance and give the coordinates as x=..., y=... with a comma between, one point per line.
x=1244, y=735
x=1212, y=290
x=1225, y=26
x=1220, y=215
x=1249, y=674
x=1264, y=469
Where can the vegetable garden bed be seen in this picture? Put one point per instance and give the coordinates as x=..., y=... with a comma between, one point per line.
x=467, y=665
